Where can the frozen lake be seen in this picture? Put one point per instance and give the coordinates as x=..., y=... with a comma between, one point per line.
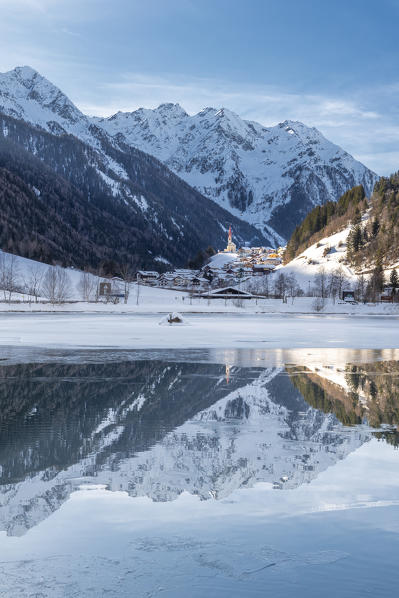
x=205, y=472
x=138, y=331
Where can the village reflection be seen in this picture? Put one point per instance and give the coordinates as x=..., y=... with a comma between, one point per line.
x=157, y=428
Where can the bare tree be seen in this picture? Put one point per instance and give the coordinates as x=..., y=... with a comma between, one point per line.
x=87, y=286
x=34, y=280
x=361, y=288
x=9, y=275
x=333, y=285
x=56, y=285
x=341, y=279
x=321, y=283
x=293, y=288
x=64, y=285
x=127, y=276
x=265, y=285
x=50, y=284
x=259, y=285
x=318, y=303
x=280, y=287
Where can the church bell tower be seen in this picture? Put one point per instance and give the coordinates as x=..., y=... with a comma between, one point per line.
x=231, y=247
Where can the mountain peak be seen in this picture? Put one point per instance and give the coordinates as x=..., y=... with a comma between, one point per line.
x=170, y=109
x=26, y=94
x=25, y=72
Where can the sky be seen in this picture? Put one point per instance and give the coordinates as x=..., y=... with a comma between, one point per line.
x=332, y=65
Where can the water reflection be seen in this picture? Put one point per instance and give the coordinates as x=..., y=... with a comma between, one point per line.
x=156, y=428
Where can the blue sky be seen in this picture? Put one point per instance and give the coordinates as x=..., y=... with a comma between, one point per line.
x=333, y=65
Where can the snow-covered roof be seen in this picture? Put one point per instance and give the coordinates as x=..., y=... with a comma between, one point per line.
x=228, y=292
x=185, y=272
x=148, y=273
x=263, y=266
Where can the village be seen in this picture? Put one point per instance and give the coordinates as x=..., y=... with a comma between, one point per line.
x=224, y=271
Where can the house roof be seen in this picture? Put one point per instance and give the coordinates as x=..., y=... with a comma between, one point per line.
x=262, y=266
x=228, y=292
x=185, y=272
x=147, y=273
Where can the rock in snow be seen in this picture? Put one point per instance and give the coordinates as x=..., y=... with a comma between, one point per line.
x=172, y=319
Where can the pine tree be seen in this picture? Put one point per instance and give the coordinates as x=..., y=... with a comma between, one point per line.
x=376, y=283
x=394, y=281
x=375, y=227
x=357, y=239
x=357, y=217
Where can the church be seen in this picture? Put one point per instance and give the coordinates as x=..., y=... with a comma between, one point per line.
x=231, y=247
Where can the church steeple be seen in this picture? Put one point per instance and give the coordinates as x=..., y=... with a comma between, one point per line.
x=231, y=248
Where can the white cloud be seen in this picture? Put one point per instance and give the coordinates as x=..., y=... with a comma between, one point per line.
x=362, y=130
x=266, y=104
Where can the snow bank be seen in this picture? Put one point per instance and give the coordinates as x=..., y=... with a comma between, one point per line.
x=222, y=259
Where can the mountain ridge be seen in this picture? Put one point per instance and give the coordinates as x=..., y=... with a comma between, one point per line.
x=271, y=177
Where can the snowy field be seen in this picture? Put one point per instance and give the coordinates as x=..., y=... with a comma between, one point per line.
x=161, y=301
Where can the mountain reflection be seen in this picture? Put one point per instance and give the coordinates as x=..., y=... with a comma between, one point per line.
x=157, y=428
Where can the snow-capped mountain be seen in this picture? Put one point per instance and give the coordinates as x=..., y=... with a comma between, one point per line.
x=26, y=95
x=269, y=176
x=167, y=218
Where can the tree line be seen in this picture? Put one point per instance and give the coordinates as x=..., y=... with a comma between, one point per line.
x=326, y=285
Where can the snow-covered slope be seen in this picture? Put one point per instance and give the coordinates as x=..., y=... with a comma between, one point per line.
x=269, y=176
x=328, y=254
